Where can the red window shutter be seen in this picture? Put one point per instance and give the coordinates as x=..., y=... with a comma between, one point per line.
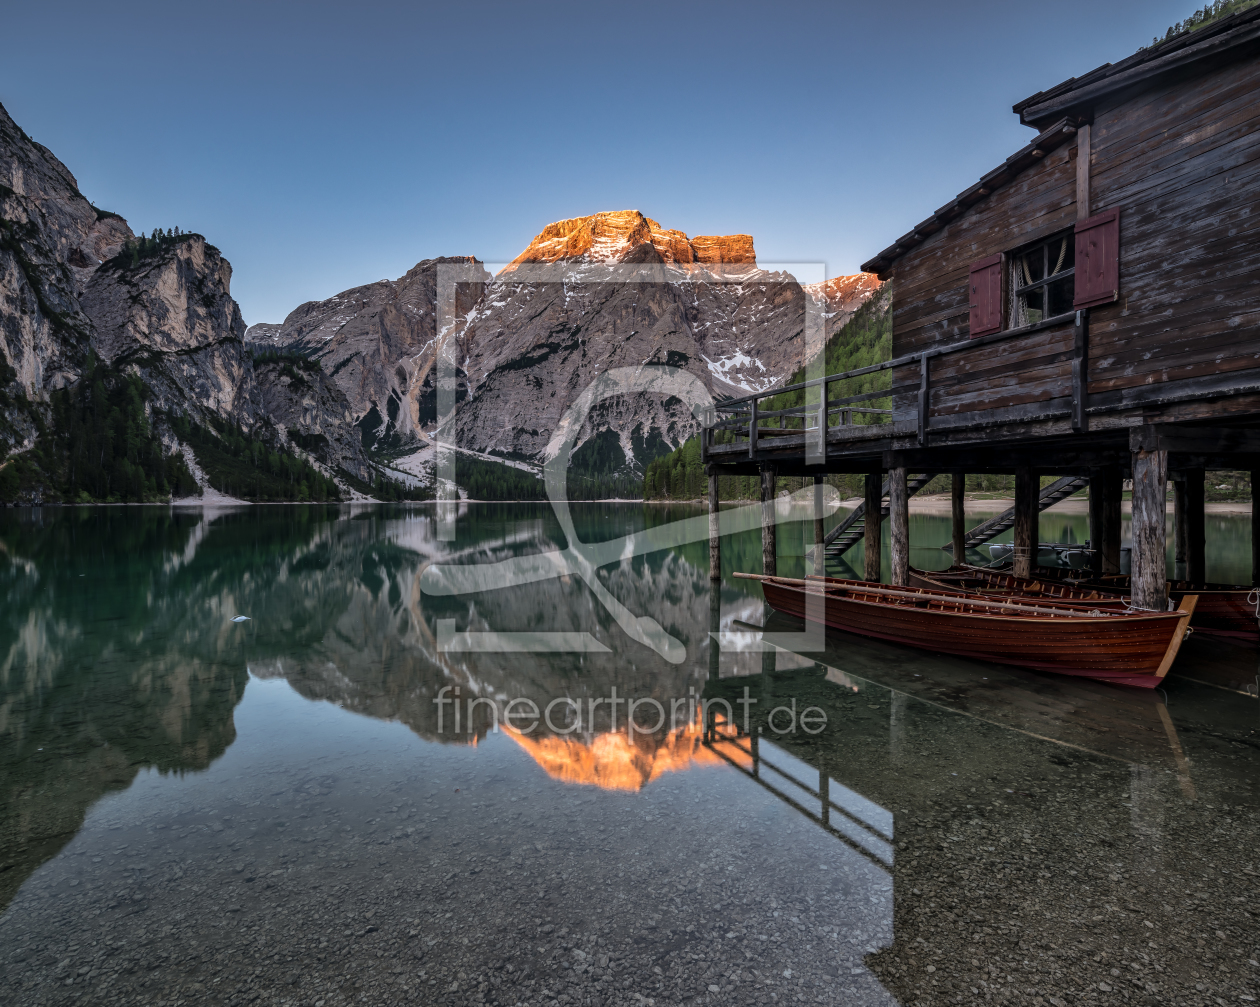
x=1097, y=260
x=985, y=287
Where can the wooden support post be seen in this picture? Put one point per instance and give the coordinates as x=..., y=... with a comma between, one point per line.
x=899, y=524
x=1255, y=529
x=1111, y=495
x=1080, y=372
x=925, y=393
x=1150, y=537
x=1082, y=171
x=1096, y=493
x=752, y=429
x=769, y=551
x=959, y=514
x=1196, y=547
x=820, y=564
x=715, y=539
x=1027, y=490
x=874, y=518
x=1179, y=528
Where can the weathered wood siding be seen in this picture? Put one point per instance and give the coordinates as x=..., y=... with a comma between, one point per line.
x=930, y=299
x=1182, y=162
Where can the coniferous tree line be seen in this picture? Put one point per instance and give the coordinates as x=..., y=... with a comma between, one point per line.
x=1202, y=18
x=245, y=466
x=136, y=250
x=101, y=446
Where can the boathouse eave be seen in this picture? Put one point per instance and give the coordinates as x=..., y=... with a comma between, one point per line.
x=1061, y=110
x=1229, y=38
x=1026, y=157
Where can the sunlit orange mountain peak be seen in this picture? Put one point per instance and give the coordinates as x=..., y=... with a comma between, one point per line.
x=615, y=236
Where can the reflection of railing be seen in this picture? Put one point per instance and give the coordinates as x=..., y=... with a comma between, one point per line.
x=846, y=814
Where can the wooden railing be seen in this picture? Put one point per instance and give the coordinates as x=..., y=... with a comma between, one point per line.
x=748, y=420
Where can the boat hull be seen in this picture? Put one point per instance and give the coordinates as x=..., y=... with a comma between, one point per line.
x=1133, y=649
x=1223, y=609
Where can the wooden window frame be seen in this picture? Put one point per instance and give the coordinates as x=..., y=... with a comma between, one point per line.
x=1047, y=278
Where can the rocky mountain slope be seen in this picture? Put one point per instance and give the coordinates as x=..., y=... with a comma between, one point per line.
x=76, y=280
x=588, y=294
x=378, y=343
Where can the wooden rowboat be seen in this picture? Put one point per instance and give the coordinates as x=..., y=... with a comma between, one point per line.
x=1006, y=586
x=1126, y=648
x=1228, y=610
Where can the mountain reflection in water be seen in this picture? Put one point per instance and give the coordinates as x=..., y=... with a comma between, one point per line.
x=201, y=799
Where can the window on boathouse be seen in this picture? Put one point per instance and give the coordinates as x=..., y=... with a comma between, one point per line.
x=1042, y=279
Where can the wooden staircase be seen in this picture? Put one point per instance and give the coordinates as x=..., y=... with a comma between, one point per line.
x=852, y=529
x=1058, y=490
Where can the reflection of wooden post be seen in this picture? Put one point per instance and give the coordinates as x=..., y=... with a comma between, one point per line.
x=899, y=525
x=1150, y=537
x=897, y=744
x=959, y=514
x=1196, y=559
x=1027, y=490
x=754, y=749
x=820, y=566
x=715, y=627
x=715, y=540
x=874, y=517
x=769, y=554
x=824, y=794
x=1179, y=528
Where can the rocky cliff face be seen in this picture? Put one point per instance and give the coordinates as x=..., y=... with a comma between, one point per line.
x=172, y=319
x=617, y=290
x=73, y=279
x=842, y=296
x=51, y=240
x=588, y=294
x=312, y=412
x=378, y=344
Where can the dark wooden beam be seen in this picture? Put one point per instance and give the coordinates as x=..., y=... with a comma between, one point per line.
x=1027, y=491
x=899, y=525
x=820, y=563
x=1149, y=581
x=1196, y=556
x=873, y=546
x=958, y=515
x=1180, y=531
x=769, y=547
x=715, y=539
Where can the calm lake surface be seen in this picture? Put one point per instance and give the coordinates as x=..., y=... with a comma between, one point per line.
x=322, y=805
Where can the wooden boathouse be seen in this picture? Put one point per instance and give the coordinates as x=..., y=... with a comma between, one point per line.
x=1089, y=309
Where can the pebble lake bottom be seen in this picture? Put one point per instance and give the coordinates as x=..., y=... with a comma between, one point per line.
x=206, y=812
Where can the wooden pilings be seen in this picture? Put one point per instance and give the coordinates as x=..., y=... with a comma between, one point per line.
x=769, y=548
x=1150, y=537
x=1027, y=490
x=1105, y=494
x=820, y=559
x=715, y=539
x=873, y=546
x=1196, y=530
x=958, y=513
x=899, y=524
x=1180, y=531
x=1255, y=530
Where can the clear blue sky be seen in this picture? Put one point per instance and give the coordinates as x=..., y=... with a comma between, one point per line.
x=322, y=146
